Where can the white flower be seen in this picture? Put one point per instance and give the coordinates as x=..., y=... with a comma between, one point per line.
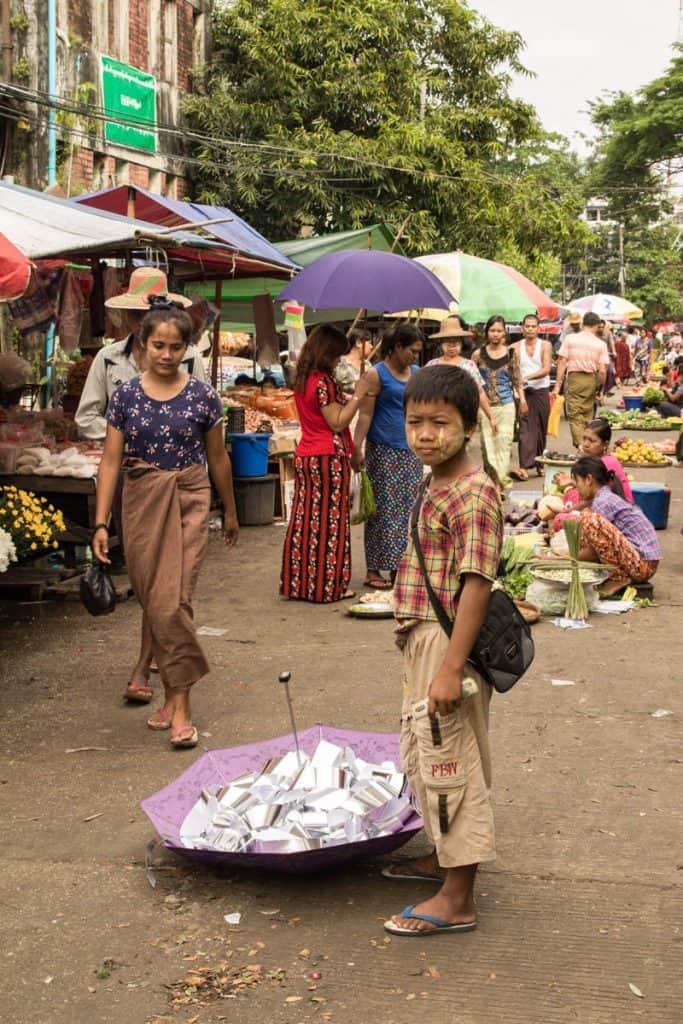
x=8, y=552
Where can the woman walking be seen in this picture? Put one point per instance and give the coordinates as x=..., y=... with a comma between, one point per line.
x=452, y=333
x=499, y=369
x=169, y=425
x=394, y=471
x=316, y=560
x=534, y=358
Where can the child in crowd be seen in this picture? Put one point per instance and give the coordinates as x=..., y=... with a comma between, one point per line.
x=596, y=441
x=444, y=740
x=613, y=531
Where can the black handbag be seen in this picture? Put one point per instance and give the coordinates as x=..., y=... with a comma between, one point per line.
x=504, y=649
x=97, y=590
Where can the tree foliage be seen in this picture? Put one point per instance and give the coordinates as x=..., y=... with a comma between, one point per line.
x=337, y=114
x=638, y=152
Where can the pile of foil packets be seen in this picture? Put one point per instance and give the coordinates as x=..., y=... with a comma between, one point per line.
x=298, y=803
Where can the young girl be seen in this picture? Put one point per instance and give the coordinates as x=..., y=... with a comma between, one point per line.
x=613, y=531
x=499, y=369
x=169, y=425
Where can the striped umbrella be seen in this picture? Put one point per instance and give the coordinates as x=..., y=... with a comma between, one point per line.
x=482, y=288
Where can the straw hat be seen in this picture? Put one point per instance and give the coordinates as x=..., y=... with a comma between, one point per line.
x=145, y=281
x=574, y=318
x=450, y=328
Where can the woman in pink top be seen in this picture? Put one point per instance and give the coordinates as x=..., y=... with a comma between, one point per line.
x=596, y=440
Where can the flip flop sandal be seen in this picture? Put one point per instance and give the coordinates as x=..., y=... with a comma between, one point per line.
x=348, y=595
x=154, y=668
x=441, y=927
x=138, y=694
x=185, y=738
x=392, y=871
x=378, y=584
x=519, y=474
x=160, y=720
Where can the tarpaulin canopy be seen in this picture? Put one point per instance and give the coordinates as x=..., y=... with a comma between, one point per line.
x=44, y=226
x=221, y=223
x=15, y=271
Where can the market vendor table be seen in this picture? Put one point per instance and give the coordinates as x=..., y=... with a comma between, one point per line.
x=73, y=496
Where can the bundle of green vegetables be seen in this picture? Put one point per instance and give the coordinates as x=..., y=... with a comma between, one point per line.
x=513, y=569
x=576, y=599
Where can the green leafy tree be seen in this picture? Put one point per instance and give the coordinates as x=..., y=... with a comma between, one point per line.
x=639, y=151
x=336, y=114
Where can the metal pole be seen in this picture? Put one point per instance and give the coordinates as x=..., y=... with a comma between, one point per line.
x=622, y=268
x=284, y=678
x=52, y=90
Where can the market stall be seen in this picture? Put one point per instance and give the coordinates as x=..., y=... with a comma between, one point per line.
x=40, y=452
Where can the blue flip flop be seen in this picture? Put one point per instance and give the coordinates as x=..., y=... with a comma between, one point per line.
x=440, y=927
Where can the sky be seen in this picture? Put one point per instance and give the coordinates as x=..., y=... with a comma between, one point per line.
x=582, y=48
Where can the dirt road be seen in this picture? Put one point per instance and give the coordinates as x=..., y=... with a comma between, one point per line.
x=580, y=916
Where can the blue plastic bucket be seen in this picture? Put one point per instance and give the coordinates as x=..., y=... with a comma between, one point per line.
x=633, y=402
x=249, y=454
x=654, y=501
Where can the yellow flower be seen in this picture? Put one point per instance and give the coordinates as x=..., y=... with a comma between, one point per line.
x=55, y=544
x=34, y=546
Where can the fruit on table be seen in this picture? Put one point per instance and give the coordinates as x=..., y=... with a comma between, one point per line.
x=638, y=451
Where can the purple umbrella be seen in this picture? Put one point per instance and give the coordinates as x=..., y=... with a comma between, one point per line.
x=367, y=279
x=168, y=808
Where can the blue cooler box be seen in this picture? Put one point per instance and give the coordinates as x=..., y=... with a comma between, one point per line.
x=654, y=500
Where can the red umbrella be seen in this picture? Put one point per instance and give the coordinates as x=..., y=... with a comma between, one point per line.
x=15, y=271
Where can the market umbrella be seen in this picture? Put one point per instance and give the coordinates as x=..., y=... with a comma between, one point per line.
x=15, y=271
x=168, y=808
x=611, y=307
x=366, y=279
x=482, y=288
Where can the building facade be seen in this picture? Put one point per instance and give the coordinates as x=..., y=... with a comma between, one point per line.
x=118, y=70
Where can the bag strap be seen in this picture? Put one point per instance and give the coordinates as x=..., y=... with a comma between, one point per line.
x=442, y=615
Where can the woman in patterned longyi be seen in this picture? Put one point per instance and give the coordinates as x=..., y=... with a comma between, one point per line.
x=316, y=560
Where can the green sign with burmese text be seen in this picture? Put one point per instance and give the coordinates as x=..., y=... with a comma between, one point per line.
x=129, y=99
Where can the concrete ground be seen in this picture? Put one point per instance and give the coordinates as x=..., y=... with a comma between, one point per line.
x=579, y=917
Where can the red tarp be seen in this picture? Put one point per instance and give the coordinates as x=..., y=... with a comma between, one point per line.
x=15, y=271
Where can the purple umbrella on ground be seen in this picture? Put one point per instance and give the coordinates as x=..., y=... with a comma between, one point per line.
x=367, y=279
x=168, y=808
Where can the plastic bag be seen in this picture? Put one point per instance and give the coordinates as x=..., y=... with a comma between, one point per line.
x=553, y=428
x=97, y=590
x=363, y=502
x=550, y=597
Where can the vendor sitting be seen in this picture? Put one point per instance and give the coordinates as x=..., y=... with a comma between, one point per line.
x=15, y=374
x=596, y=441
x=613, y=531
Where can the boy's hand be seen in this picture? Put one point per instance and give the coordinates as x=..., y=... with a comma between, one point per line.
x=445, y=691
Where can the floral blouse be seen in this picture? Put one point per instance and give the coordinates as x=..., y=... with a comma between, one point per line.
x=168, y=434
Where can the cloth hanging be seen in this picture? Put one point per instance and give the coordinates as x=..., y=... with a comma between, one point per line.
x=35, y=310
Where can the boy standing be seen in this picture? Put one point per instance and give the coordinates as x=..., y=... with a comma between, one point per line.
x=445, y=749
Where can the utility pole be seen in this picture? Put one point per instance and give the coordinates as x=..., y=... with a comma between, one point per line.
x=622, y=268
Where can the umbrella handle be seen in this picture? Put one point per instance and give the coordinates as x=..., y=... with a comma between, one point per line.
x=284, y=678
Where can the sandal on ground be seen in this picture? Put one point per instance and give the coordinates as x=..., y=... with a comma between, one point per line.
x=160, y=720
x=136, y=694
x=154, y=667
x=440, y=927
x=348, y=594
x=378, y=583
x=519, y=474
x=412, y=874
x=184, y=737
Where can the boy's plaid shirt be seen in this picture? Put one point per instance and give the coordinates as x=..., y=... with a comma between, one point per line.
x=461, y=531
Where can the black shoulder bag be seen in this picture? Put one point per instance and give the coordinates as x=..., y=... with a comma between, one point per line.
x=504, y=648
